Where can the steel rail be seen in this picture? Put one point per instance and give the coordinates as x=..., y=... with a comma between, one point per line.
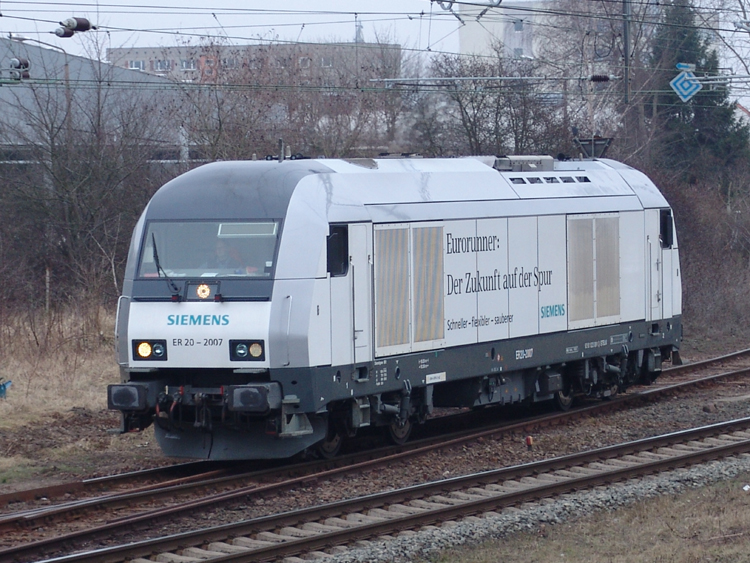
x=425, y=517
x=77, y=487
x=402, y=452
x=708, y=362
x=170, y=489
x=312, y=471
x=470, y=508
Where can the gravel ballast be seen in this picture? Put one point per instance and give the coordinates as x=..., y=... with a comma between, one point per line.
x=530, y=517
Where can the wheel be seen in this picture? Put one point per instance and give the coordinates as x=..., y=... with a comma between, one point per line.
x=331, y=446
x=564, y=397
x=613, y=390
x=398, y=433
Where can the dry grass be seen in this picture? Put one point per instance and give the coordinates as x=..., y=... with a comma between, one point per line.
x=700, y=525
x=54, y=420
x=56, y=364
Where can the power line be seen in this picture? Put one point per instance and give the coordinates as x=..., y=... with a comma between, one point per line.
x=493, y=15
x=116, y=9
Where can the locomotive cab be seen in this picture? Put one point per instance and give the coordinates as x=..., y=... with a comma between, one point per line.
x=197, y=320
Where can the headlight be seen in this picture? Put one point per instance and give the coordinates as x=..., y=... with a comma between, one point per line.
x=150, y=350
x=158, y=350
x=247, y=350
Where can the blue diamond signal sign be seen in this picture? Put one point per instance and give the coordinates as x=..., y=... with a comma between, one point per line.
x=685, y=85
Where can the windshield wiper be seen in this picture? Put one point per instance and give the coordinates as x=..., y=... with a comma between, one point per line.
x=172, y=286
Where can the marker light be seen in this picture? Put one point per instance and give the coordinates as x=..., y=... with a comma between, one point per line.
x=256, y=350
x=158, y=350
x=144, y=349
x=203, y=291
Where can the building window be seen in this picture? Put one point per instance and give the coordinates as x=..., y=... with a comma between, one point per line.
x=210, y=62
x=326, y=62
x=137, y=65
x=229, y=63
x=208, y=72
x=304, y=62
x=518, y=25
x=187, y=64
x=518, y=52
x=162, y=65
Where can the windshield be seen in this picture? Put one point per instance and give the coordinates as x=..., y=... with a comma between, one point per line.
x=209, y=249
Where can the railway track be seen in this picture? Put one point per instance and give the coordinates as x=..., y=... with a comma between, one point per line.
x=154, y=477
x=706, y=363
x=193, y=471
x=131, y=503
x=342, y=523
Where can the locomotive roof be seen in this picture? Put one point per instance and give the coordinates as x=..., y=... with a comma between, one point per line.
x=390, y=189
x=228, y=190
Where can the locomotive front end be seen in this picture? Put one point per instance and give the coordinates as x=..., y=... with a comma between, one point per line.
x=194, y=324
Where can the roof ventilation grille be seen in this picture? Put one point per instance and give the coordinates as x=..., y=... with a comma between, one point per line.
x=524, y=163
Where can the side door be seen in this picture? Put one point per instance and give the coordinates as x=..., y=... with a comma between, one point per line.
x=654, y=267
x=350, y=271
x=360, y=260
x=669, y=267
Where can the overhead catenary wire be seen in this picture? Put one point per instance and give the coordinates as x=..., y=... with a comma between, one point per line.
x=591, y=78
x=493, y=15
x=327, y=90
x=396, y=16
x=281, y=87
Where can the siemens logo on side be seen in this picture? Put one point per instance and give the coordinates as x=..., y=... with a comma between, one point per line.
x=553, y=311
x=199, y=320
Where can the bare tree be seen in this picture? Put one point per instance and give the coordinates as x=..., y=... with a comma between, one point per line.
x=496, y=105
x=317, y=97
x=85, y=174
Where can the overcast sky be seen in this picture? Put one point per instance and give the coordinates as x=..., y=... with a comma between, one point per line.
x=413, y=23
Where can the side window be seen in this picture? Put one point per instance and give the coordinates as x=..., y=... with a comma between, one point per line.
x=338, y=250
x=665, y=228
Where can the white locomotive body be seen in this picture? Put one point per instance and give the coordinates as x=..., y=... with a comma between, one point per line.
x=270, y=307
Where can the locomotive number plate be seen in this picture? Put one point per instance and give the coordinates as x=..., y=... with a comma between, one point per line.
x=197, y=341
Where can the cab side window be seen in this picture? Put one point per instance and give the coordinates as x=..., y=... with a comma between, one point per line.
x=666, y=233
x=338, y=250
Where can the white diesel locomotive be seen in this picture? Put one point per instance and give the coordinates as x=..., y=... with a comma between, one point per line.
x=273, y=307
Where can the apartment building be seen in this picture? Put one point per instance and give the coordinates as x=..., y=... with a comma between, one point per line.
x=511, y=27
x=317, y=63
